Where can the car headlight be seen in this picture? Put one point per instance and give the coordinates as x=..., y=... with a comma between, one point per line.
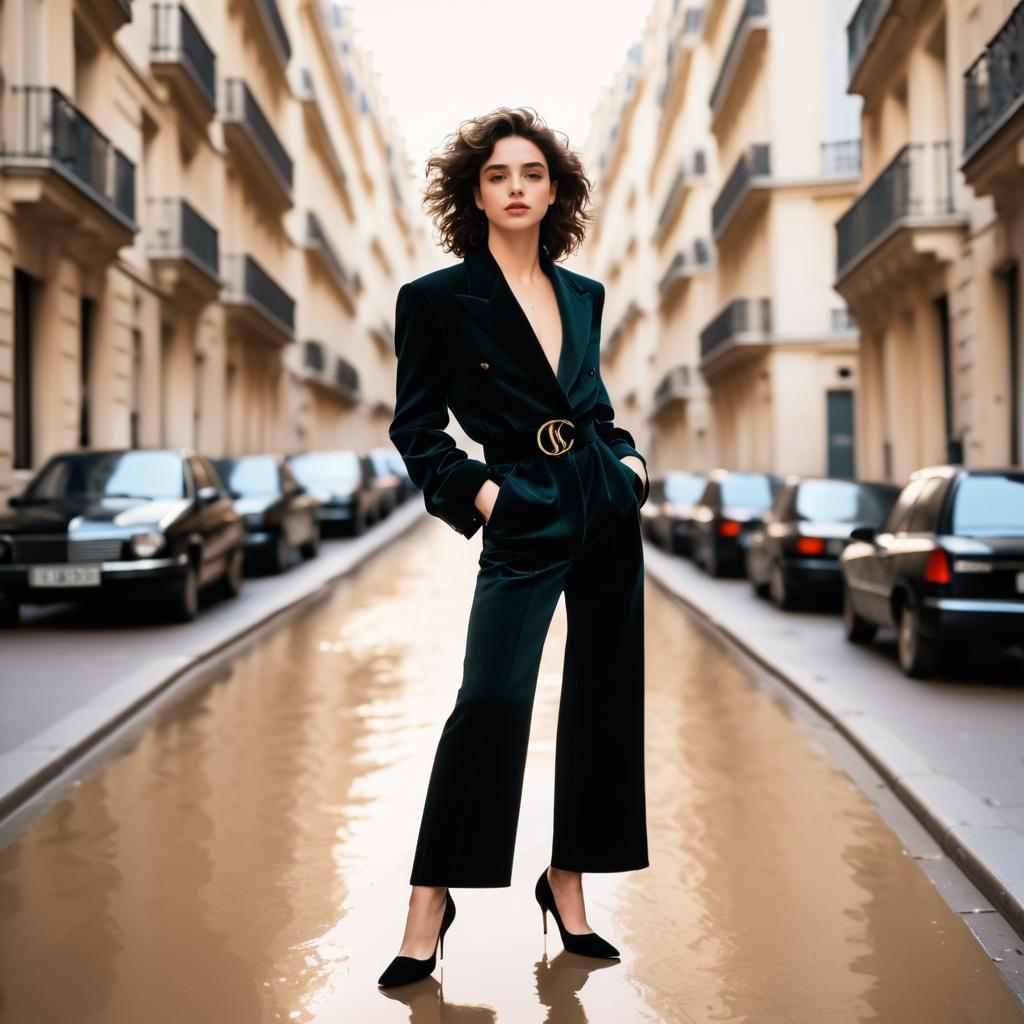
x=145, y=545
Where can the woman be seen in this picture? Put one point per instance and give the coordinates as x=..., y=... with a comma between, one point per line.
x=510, y=342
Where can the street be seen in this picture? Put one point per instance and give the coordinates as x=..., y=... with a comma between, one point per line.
x=245, y=857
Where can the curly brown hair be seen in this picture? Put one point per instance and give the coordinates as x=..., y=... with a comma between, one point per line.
x=452, y=174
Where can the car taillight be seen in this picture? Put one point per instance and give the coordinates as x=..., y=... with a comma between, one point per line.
x=729, y=528
x=937, y=569
x=810, y=545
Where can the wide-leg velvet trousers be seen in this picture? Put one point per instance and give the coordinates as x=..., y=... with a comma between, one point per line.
x=571, y=524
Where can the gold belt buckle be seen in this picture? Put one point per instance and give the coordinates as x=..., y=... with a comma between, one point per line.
x=550, y=439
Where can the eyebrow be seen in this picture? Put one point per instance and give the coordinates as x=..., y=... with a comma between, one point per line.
x=504, y=167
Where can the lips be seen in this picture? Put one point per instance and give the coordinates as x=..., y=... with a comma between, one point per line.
x=517, y=206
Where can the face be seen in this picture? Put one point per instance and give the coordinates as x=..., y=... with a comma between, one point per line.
x=515, y=173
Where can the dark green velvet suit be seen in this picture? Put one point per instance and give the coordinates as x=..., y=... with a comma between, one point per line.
x=562, y=523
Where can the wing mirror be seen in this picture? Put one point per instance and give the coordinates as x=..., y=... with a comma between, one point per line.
x=865, y=533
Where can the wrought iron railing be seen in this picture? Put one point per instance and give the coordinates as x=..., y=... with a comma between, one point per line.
x=249, y=284
x=272, y=16
x=177, y=39
x=994, y=83
x=751, y=9
x=918, y=182
x=318, y=238
x=861, y=30
x=240, y=106
x=756, y=162
x=44, y=125
x=313, y=356
x=840, y=158
x=346, y=376
x=178, y=230
x=698, y=255
x=677, y=381
x=741, y=316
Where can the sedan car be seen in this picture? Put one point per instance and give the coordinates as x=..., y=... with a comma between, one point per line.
x=342, y=481
x=726, y=516
x=946, y=568
x=796, y=552
x=386, y=478
x=671, y=516
x=279, y=514
x=120, y=525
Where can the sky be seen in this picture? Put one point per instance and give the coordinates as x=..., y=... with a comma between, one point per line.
x=444, y=61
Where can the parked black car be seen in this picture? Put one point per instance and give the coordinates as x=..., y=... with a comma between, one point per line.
x=946, y=567
x=796, y=552
x=674, y=497
x=394, y=461
x=342, y=481
x=120, y=525
x=279, y=513
x=726, y=516
x=386, y=479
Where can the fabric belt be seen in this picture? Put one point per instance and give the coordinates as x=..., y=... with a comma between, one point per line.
x=551, y=439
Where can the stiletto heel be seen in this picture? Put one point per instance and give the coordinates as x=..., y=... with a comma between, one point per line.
x=404, y=969
x=584, y=943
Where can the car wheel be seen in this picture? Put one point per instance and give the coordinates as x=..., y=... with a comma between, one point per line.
x=183, y=604
x=312, y=546
x=279, y=556
x=858, y=630
x=919, y=657
x=782, y=593
x=759, y=587
x=231, y=582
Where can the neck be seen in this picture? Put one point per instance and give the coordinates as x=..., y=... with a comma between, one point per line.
x=517, y=253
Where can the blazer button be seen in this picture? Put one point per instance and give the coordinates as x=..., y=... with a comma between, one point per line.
x=591, y=372
x=484, y=366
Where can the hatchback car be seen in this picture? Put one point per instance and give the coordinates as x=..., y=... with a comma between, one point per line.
x=342, y=481
x=279, y=514
x=945, y=568
x=121, y=525
x=796, y=552
x=671, y=517
x=725, y=517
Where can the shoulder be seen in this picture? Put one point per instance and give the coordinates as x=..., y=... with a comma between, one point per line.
x=438, y=282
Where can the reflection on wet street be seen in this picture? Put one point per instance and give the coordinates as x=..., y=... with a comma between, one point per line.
x=248, y=860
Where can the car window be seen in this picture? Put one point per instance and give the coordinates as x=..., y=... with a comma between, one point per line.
x=842, y=501
x=134, y=473
x=896, y=520
x=751, y=490
x=989, y=505
x=925, y=513
x=253, y=475
x=684, y=488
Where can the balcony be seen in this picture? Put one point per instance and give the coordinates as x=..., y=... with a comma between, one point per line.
x=333, y=374
x=63, y=171
x=108, y=15
x=256, y=304
x=747, y=182
x=694, y=259
x=255, y=145
x=744, y=325
x=684, y=36
x=680, y=384
x=994, y=111
x=180, y=56
x=274, y=33
x=318, y=244
x=740, y=61
x=905, y=218
x=612, y=341
x=692, y=169
x=183, y=248
x=320, y=133
x=879, y=32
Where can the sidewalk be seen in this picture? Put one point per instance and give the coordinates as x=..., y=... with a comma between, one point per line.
x=952, y=749
x=66, y=683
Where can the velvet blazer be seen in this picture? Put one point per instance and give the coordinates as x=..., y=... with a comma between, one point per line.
x=464, y=343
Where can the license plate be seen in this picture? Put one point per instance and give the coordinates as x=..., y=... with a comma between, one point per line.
x=1020, y=583
x=835, y=547
x=64, y=575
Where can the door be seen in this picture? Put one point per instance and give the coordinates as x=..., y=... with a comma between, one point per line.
x=839, y=412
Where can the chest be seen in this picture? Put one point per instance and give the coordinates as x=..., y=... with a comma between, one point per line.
x=541, y=308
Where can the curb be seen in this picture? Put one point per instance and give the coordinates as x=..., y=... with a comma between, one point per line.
x=57, y=758
x=953, y=837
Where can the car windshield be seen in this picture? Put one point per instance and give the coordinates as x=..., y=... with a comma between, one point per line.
x=252, y=476
x=842, y=501
x=134, y=474
x=748, y=490
x=316, y=468
x=989, y=505
x=684, y=488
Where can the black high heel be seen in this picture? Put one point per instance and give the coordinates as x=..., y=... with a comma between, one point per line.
x=404, y=969
x=585, y=943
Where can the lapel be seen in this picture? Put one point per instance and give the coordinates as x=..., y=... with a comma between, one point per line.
x=492, y=303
